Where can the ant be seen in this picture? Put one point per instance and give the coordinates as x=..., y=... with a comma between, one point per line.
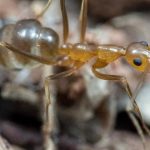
x=26, y=42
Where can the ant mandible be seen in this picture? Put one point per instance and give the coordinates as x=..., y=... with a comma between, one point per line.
x=26, y=42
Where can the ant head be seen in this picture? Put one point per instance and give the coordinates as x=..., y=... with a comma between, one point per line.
x=138, y=55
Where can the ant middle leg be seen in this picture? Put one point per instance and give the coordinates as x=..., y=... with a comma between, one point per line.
x=47, y=126
x=83, y=20
x=135, y=106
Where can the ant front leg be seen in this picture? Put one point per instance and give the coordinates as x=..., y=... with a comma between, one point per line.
x=47, y=128
x=124, y=82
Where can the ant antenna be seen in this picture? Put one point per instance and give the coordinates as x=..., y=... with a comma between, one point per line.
x=83, y=20
x=139, y=85
x=65, y=20
x=44, y=10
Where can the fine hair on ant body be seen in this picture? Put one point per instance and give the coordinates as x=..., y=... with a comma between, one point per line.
x=26, y=42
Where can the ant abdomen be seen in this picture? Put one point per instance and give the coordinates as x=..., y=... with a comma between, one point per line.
x=30, y=36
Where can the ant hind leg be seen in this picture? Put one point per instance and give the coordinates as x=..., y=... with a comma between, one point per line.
x=44, y=9
x=27, y=54
x=65, y=20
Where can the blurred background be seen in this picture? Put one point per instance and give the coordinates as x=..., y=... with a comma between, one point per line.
x=86, y=113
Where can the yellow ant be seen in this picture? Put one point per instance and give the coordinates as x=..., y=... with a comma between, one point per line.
x=26, y=42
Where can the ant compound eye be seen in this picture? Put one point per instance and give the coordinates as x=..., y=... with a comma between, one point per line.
x=144, y=43
x=137, y=61
x=137, y=55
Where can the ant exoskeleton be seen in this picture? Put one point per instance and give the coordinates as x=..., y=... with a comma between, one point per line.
x=27, y=42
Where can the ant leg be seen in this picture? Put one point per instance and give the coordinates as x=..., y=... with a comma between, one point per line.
x=128, y=90
x=137, y=126
x=44, y=10
x=83, y=20
x=43, y=60
x=28, y=55
x=65, y=20
x=47, y=123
